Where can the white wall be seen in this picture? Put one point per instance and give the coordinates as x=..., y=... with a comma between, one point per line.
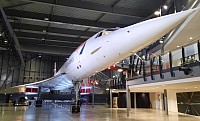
x=156, y=100
x=152, y=99
x=172, y=101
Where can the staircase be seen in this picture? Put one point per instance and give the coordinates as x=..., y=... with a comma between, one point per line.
x=104, y=80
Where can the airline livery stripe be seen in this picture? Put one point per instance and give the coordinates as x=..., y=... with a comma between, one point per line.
x=82, y=49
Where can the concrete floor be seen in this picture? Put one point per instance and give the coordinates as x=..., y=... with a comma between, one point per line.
x=54, y=112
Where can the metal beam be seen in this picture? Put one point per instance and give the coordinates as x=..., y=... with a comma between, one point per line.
x=12, y=34
x=52, y=30
x=115, y=3
x=62, y=19
x=41, y=37
x=47, y=42
x=46, y=49
x=18, y=5
x=135, y=13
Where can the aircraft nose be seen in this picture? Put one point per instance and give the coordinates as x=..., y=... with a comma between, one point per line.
x=149, y=31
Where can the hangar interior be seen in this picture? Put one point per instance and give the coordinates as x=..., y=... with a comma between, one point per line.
x=36, y=34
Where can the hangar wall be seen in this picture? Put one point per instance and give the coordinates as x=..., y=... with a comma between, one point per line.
x=36, y=68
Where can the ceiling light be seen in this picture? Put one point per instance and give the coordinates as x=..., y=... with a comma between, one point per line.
x=113, y=76
x=0, y=34
x=120, y=70
x=157, y=13
x=39, y=55
x=195, y=87
x=46, y=19
x=107, y=88
x=177, y=46
x=165, y=7
x=186, y=88
x=143, y=57
x=191, y=38
x=5, y=41
x=161, y=41
x=43, y=39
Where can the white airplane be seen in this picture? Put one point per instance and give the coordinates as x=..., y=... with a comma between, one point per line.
x=109, y=46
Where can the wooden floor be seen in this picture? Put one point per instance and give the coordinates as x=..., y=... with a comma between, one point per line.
x=55, y=112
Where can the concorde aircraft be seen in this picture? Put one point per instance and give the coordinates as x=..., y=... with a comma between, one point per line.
x=109, y=46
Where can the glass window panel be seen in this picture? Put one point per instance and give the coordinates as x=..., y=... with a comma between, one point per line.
x=155, y=64
x=147, y=67
x=135, y=60
x=176, y=58
x=165, y=61
x=191, y=53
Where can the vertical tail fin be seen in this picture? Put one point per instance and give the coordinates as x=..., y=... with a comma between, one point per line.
x=54, y=70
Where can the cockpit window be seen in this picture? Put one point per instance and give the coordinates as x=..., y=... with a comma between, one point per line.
x=106, y=32
x=111, y=29
x=100, y=34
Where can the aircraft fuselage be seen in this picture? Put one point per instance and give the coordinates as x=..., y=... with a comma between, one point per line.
x=108, y=47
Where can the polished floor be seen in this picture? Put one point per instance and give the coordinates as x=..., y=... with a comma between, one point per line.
x=58, y=112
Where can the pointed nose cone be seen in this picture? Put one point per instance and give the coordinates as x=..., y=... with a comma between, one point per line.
x=149, y=31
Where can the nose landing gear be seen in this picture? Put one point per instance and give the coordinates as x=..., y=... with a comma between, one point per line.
x=75, y=108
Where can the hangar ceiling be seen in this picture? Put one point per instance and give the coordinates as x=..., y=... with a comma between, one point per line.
x=60, y=26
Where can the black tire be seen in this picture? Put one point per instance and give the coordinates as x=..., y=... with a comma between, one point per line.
x=78, y=109
x=73, y=109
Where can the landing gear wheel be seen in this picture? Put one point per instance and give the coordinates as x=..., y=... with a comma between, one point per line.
x=75, y=109
x=78, y=109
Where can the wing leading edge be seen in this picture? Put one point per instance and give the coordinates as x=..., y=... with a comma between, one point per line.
x=58, y=82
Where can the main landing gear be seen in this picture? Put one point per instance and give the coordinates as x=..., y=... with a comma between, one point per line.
x=75, y=108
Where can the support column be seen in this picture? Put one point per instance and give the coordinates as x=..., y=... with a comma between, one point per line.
x=111, y=98
x=172, y=101
x=93, y=95
x=128, y=102
x=39, y=93
x=165, y=100
x=38, y=102
x=135, y=100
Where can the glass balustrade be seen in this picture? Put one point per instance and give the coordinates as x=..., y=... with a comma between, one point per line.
x=181, y=56
x=165, y=61
x=177, y=58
